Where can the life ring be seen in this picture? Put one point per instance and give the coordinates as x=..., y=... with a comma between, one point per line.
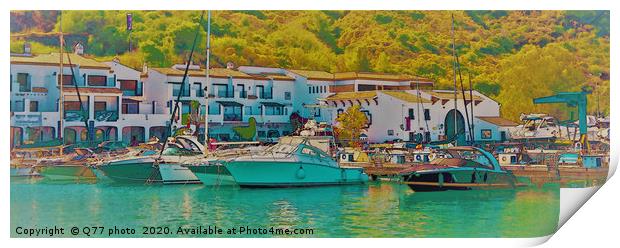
x=577, y=146
x=503, y=159
x=343, y=157
x=300, y=174
x=418, y=158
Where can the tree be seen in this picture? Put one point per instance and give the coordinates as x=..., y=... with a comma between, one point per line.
x=350, y=125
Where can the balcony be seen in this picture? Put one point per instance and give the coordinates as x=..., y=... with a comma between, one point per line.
x=265, y=95
x=107, y=115
x=233, y=117
x=74, y=115
x=225, y=94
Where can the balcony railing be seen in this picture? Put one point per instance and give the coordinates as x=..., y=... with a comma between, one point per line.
x=72, y=115
x=224, y=94
x=108, y=115
x=266, y=95
x=232, y=117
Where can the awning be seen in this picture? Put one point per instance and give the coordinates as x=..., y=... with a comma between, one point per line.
x=272, y=104
x=129, y=100
x=230, y=104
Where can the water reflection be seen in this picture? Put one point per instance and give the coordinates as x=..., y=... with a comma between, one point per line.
x=380, y=209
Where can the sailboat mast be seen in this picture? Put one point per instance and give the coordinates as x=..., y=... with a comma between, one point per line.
x=207, y=81
x=471, y=105
x=454, y=73
x=60, y=78
x=178, y=100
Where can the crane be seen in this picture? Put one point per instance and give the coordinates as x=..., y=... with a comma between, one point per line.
x=572, y=99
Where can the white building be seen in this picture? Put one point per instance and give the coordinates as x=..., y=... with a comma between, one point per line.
x=35, y=94
x=121, y=103
x=412, y=115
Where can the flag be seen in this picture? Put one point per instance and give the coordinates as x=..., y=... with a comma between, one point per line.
x=129, y=22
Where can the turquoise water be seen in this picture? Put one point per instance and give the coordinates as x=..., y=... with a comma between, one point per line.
x=378, y=209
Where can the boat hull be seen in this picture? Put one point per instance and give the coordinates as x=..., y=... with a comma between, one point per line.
x=213, y=175
x=292, y=174
x=145, y=170
x=139, y=170
x=443, y=180
x=66, y=172
x=24, y=172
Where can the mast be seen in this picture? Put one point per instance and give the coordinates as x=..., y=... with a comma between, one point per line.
x=77, y=90
x=61, y=100
x=471, y=105
x=176, y=103
x=207, y=81
x=454, y=74
x=458, y=63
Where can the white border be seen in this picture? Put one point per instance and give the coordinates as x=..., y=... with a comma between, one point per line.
x=596, y=218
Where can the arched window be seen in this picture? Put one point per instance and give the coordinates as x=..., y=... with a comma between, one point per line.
x=84, y=135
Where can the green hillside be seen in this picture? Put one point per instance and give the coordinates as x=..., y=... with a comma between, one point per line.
x=511, y=56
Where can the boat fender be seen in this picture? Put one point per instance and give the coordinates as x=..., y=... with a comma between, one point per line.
x=440, y=179
x=485, y=177
x=473, y=177
x=301, y=174
x=432, y=156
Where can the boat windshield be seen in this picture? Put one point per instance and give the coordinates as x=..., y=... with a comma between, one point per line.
x=188, y=144
x=473, y=158
x=281, y=149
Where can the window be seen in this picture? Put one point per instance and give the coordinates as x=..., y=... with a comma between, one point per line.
x=100, y=106
x=19, y=106
x=390, y=132
x=368, y=118
x=260, y=91
x=34, y=106
x=96, y=80
x=486, y=133
x=427, y=114
x=176, y=88
x=242, y=92
x=23, y=79
x=411, y=115
x=130, y=108
x=248, y=110
x=199, y=90
x=308, y=151
x=66, y=79
x=221, y=89
x=309, y=90
x=131, y=87
x=287, y=95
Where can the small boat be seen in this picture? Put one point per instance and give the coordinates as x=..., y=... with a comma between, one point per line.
x=538, y=128
x=72, y=167
x=23, y=160
x=146, y=166
x=292, y=162
x=463, y=168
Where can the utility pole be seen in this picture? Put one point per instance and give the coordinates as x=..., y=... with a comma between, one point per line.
x=207, y=80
